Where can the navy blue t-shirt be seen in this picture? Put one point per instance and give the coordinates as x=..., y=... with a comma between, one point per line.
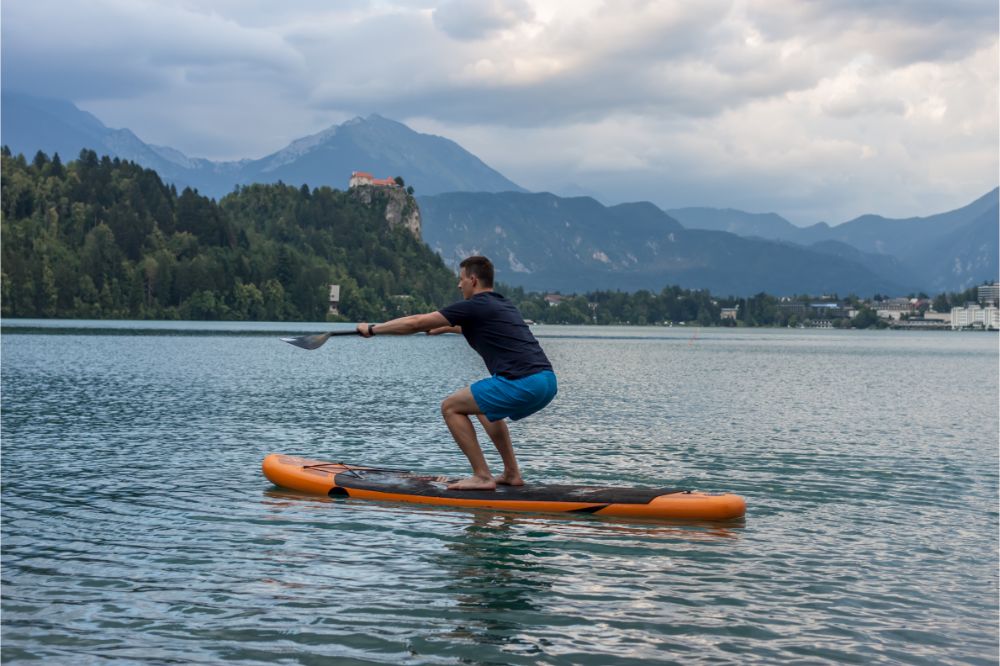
x=493, y=327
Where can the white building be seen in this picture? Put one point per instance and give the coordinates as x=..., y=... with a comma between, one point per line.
x=334, y=299
x=973, y=316
x=894, y=308
x=989, y=294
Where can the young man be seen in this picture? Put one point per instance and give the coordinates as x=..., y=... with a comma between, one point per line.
x=522, y=380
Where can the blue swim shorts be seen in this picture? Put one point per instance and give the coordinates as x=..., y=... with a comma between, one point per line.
x=500, y=398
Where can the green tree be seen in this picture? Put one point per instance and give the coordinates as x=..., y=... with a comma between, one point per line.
x=56, y=168
x=866, y=318
x=48, y=295
x=274, y=300
x=41, y=161
x=249, y=302
x=101, y=257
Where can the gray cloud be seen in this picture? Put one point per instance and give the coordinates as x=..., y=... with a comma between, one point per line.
x=476, y=19
x=900, y=32
x=697, y=63
x=126, y=49
x=610, y=64
x=764, y=100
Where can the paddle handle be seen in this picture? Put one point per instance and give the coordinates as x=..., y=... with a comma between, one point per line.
x=353, y=332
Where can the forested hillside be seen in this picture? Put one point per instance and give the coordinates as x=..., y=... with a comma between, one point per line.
x=103, y=238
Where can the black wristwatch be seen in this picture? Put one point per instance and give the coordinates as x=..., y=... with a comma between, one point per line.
x=371, y=330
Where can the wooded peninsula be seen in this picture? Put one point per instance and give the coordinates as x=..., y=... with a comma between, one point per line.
x=102, y=238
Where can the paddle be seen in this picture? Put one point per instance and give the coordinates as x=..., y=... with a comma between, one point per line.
x=316, y=341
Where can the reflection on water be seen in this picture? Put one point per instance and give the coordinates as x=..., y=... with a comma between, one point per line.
x=493, y=580
x=137, y=525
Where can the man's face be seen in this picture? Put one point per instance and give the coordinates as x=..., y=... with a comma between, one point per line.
x=466, y=283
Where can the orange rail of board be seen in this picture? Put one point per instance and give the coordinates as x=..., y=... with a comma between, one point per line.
x=319, y=478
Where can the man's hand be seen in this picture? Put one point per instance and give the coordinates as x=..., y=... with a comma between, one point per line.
x=363, y=330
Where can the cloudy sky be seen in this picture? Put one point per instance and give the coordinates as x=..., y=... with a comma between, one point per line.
x=814, y=109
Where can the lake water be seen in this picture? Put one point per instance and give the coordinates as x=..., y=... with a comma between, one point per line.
x=136, y=525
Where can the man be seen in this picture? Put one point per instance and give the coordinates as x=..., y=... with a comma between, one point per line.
x=522, y=380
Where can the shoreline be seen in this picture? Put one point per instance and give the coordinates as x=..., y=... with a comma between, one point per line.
x=57, y=326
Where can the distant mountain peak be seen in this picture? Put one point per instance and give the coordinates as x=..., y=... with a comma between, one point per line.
x=380, y=145
x=298, y=148
x=308, y=143
x=371, y=119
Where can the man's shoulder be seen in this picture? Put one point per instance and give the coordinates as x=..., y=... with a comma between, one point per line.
x=483, y=302
x=464, y=309
x=485, y=299
x=492, y=301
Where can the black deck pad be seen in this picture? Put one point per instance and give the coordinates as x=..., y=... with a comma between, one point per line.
x=432, y=486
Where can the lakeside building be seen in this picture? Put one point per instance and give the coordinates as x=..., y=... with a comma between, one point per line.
x=894, y=308
x=937, y=321
x=989, y=294
x=819, y=311
x=553, y=299
x=828, y=310
x=334, y=299
x=974, y=316
x=921, y=324
x=729, y=313
x=797, y=309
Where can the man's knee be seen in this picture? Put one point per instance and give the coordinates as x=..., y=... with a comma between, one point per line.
x=451, y=405
x=460, y=402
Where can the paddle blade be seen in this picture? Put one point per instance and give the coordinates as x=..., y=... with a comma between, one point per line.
x=308, y=341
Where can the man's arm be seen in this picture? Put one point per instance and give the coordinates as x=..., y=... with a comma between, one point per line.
x=406, y=325
x=445, y=329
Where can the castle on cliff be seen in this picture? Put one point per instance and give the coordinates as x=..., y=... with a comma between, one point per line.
x=365, y=178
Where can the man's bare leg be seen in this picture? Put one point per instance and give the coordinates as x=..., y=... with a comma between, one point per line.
x=456, y=409
x=500, y=436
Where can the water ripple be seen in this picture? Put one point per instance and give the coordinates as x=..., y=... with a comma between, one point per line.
x=137, y=526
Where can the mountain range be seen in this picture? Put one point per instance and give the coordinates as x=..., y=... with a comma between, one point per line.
x=383, y=147
x=545, y=242
x=946, y=251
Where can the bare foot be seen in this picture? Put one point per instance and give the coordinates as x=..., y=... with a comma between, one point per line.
x=506, y=479
x=474, y=483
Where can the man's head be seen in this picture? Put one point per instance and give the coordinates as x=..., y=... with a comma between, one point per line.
x=475, y=275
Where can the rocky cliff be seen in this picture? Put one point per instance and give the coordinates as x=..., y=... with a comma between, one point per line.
x=401, y=208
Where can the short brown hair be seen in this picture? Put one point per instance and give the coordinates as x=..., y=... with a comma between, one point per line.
x=479, y=267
